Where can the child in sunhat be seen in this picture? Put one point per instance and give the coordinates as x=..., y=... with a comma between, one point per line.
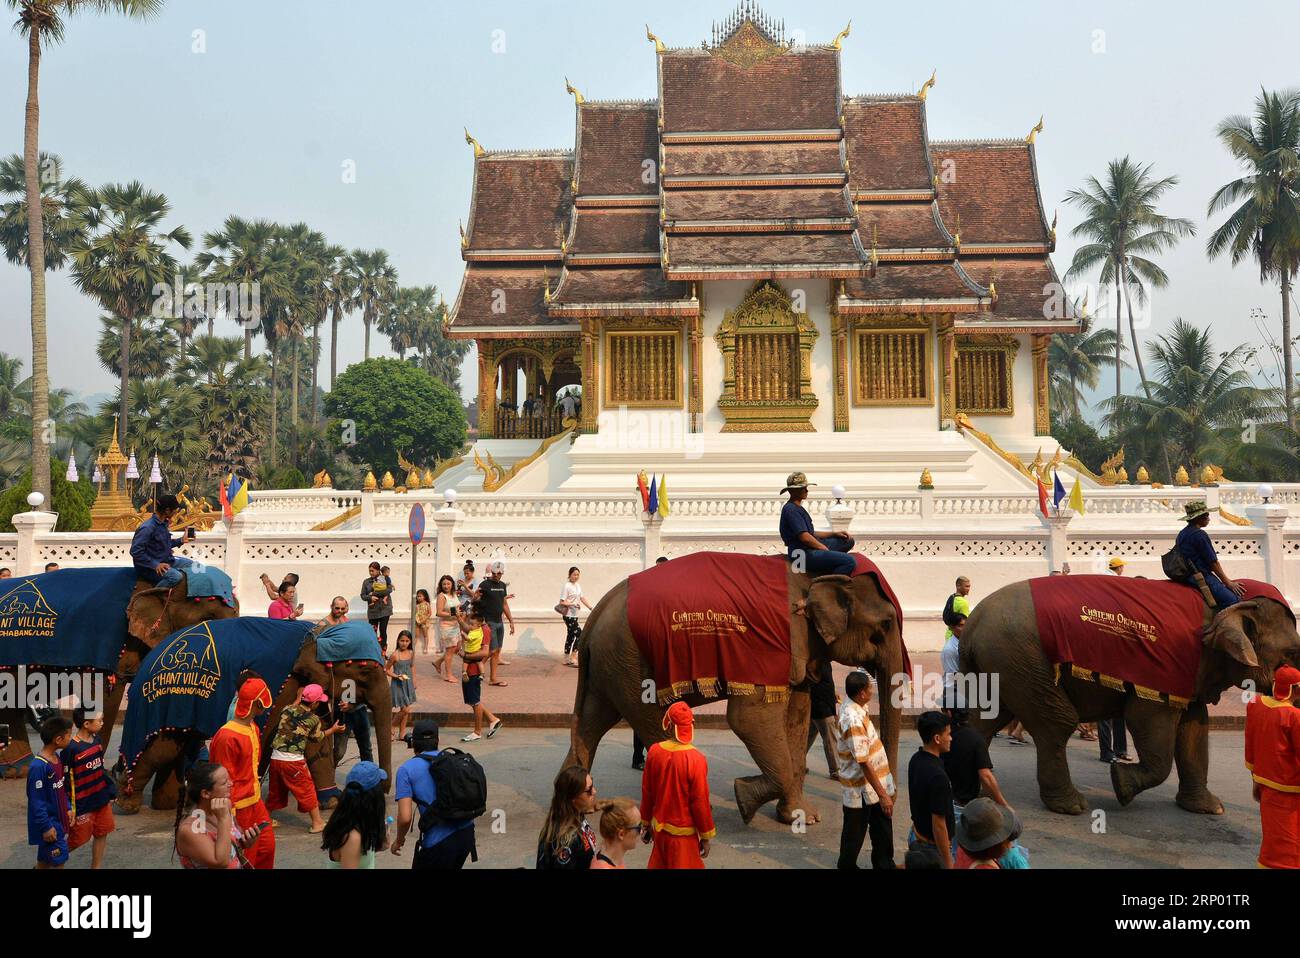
x=299, y=727
x=675, y=796
x=1273, y=758
x=985, y=833
x=237, y=747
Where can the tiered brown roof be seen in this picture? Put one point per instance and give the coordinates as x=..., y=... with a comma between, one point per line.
x=749, y=165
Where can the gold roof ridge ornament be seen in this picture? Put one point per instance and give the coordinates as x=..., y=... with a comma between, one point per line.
x=838, y=42
x=1143, y=477
x=928, y=85
x=464, y=240
x=578, y=98
x=478, y=147
x=1033, y=134
x=875, y=252
x=659, y=44
x=956, y=237
x=1055, y=216
x=546, y=291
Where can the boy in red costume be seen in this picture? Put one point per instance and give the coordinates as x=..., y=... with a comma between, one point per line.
x=675, y=796
x=238, y=747
x=1273, y=758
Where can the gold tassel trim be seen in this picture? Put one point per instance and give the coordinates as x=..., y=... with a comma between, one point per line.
x=1151, y=695
x=713, y=687
x=1111, y=682
x=1119, y=685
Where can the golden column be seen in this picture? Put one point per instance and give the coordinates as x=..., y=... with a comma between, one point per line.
x=590, y=378
x=696, y=405
x=1042, y=384
x=487, y=389
x=947, y=370
x=840, y=364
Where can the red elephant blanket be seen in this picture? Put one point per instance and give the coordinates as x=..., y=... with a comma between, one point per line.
x=1146, y=632
x=719, y=624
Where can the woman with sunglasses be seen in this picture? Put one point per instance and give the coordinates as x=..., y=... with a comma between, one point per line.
x=620, y=832
x=567, y=841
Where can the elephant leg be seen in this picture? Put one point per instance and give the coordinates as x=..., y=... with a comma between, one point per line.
x=162, y=754
x=1153, y=728
x=760, y=789
x=1051, y=718
x=15, y=757
x=167, y=786
x=761, y=726
x=597, y=716
x=1192, y=756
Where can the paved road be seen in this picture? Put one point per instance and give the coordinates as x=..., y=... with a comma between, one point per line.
x=1150, y=833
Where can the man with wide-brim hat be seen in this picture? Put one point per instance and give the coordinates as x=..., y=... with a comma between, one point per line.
x=1194, y=545
x=816, y=553
x=1272, y=747
x=985, y=833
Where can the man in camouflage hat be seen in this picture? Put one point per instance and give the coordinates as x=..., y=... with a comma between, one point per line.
x=1194, y=545
x=816, y=553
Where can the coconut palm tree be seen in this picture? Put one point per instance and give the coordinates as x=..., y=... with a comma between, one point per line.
x=42, y=23
x=235, y=256
x=310, y=254
x=1123, y=229
x=1076, y=361
x=125, y=259
x=1199, y=399
x=1265, y=225
x=376, y=285
x=341, y=292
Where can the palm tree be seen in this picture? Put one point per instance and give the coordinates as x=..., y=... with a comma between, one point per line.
x=376, y=284
x=153, y=346
x=63, y=213
x=1199, y=399
x=1076, y=361
x=126, y=259
x=42, y=23
x=341, y=291
x=235, y=255
x=233, y=393
x=1266, y=224
x=192, y=310
x=1123, y=228
x=11, y=368
x=310, y=254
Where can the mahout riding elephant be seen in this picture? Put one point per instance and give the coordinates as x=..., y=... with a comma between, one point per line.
x=845, y=619
x=1242, y=645
x=130, y=617
x=184, y=676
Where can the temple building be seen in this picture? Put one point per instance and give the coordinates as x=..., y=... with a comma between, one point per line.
x=764, y=273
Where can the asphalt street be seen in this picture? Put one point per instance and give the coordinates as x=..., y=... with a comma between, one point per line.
x=521, y=763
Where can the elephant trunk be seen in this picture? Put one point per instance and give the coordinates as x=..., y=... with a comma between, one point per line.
x=383, y=733
x=889, y=678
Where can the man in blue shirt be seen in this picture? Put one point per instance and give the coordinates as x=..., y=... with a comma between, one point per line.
x=816, y=553
x=446, y=845
x=152, y=545
x=1194, y=545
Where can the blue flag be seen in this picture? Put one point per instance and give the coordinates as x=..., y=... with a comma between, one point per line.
x=1058, y=491
x=653, y=506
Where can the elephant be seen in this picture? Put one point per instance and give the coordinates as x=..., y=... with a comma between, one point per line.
x=151, y=614
x=1243, y=643
x=170, y=751
x=832, y=617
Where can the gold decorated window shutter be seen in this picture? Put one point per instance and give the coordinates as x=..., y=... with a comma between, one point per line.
x=984, y=367
x=644, y=368
x=892, y=367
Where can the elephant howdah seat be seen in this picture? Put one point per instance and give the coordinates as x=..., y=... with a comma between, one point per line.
x=1116, y=631
x=718, y=624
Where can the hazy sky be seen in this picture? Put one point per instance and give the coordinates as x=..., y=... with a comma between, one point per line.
x=288, y=91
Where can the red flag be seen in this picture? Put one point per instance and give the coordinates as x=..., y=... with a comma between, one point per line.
x=1042, y=498
x=644, y=489
x=225, y=503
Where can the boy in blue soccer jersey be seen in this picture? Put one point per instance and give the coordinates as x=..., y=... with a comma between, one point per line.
x=47, y=799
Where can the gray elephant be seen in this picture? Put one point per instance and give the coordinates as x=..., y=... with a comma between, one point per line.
x=1244, y=643
x=832, y=617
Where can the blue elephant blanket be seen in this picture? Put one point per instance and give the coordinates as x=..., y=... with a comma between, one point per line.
x=190, y=678
x=73, y=618
x=348, y=642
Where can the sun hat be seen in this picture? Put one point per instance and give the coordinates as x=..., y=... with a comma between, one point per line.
x=1194, y=510
x=796, y=480
x=984, y=825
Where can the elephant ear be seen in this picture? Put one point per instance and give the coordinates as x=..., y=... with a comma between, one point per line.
x=830, y=602
x=1232, y=631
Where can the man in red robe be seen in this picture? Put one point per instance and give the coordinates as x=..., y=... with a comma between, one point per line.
x=1273, y=758
x=237, y=747
x=675, y=796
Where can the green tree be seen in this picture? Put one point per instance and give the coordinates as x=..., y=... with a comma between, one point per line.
x=1123, y=229
x=42, y=23
x=1081, y=438
x=341, y=291
x=1076, y=361
x=69, y=501
x=124, y=261
x=235, y=255
x=395, y=407
x=154, y=346
x=374, y=288
x=233, y=395
x=1265, y=225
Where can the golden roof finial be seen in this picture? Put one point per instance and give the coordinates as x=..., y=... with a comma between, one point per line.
x=1055, y=216
x=956, y=237
x=659, y=44
x=1033, y=134
x=478, y=147
x=388, y=482
x=578, y=98
x=546, y=292
x=935, y=182
x=667, y=261
x=464, y=240
x=928, y=85
x=838, y=42
x=1208, y=477
x=993, y=281
x=369, y=484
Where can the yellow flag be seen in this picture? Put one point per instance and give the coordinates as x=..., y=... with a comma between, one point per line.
x=663, y=495
x=1076, y=497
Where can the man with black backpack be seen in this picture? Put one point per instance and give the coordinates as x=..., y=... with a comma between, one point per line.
x=449, y=790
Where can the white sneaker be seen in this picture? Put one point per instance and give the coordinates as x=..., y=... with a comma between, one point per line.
x=472, y=737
